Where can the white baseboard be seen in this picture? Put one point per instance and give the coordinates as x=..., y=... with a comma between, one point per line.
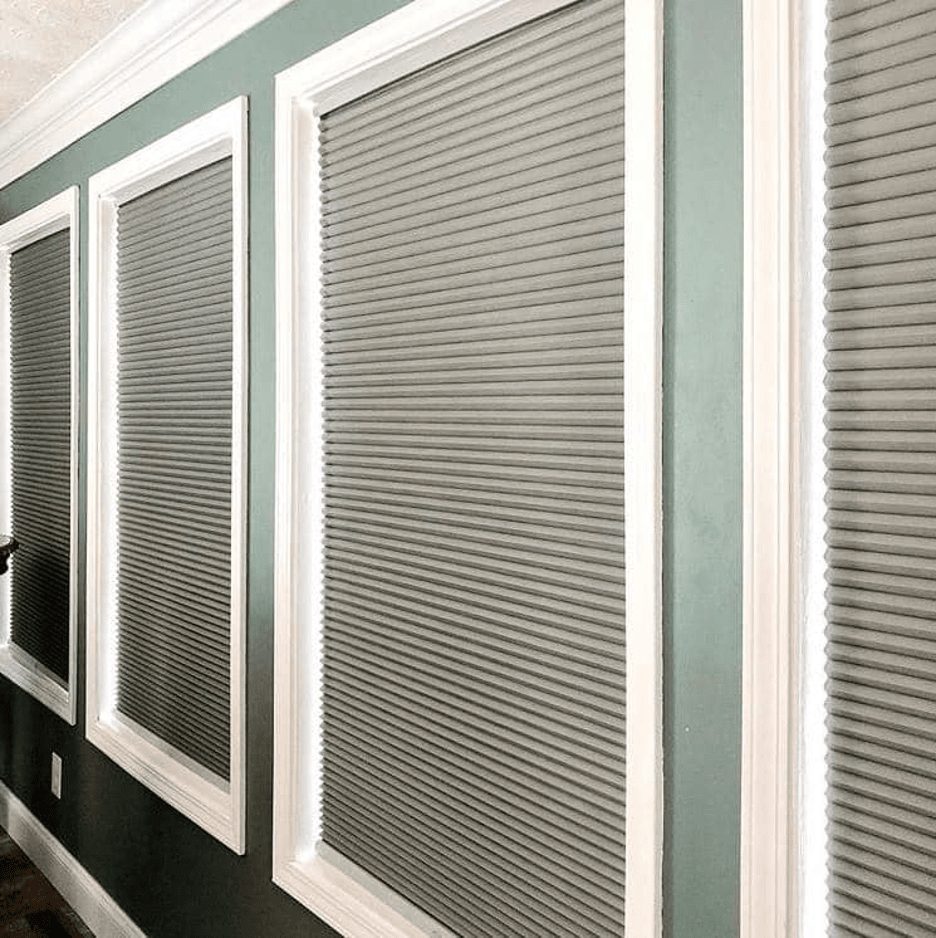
x=79, y=888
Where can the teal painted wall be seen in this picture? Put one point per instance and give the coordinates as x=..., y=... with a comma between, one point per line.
x=175, y=880
x=702, y=466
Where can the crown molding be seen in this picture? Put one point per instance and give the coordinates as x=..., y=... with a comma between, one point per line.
x=153, y=45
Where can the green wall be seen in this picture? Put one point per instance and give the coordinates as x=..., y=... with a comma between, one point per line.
x=702, y=466
x=173, y=879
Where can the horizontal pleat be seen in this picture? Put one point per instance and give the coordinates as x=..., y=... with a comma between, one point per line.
x=475, y=549
x=523, y=231
x=873, y=92
x=853, y=790
x=884, y=336
x=438, y=837
x=538, y=110
x=502, y=516
x=895, y=887
x=499, y=634
x=896, y=274
x=903, y=144
x=534, y=658
x=567, y=349
x=536, y=579
x=881, y=461
x=474, y=655
x=448, y=313
x=355, y=841
x=591, y=492
x=178, y=300
x=849, y=18
x=506, y=277
x=486, y=67
x=522, y=329
x=515, y=821
x=894, y=877
x=175, y=255
x=40, y=415
x=878, y=40
x=864, y=123
x=576, y=784
x=563, y=184
x=510, y=119
x=145, y=245
x=212, y=246
x=879, y=178
x=45, y=257
x=537, y=684
x=196, y=215
x=500, y=825
x=369, y=724
x=192, y=726
x=864, y=837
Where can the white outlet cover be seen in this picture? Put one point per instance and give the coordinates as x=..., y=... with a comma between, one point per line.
x=56, y=775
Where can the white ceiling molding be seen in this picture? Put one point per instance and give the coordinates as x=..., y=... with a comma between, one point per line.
x=39, y=39
x=161, y=40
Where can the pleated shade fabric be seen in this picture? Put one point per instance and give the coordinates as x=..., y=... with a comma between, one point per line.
x=881, y=460
x=40, y=397
x=474, y=659
x=175, y=335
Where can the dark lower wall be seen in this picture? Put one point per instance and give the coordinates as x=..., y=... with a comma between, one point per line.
x=174, y=880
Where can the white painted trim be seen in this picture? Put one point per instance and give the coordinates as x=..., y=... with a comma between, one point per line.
x=216, y=806
x=782, y=752
x=78, y=887
x=152, y=46
x=810, y=860
x=394, y=46
x=766, y=775
x=55, y=214
x=643, y=462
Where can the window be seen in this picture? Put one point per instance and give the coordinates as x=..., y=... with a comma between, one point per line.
x=454, y=715
x=881, y=469
x=39, y=450
x=840, y=661
x=167, y=451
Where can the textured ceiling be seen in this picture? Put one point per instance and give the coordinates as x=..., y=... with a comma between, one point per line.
x=41, y=38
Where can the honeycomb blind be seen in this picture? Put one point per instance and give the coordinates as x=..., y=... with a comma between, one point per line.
x=175, y=353
x=881, y=462
x=472, y=256
x=40, y=412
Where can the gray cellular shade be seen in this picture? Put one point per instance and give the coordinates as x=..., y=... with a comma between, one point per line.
x=175, y=257
x=40, y=396
x=474, y=638
x=881, y=459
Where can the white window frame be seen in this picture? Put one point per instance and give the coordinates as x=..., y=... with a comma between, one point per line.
x=783, y=849
x=53, y=215
x=216, y=806
x=423, y=32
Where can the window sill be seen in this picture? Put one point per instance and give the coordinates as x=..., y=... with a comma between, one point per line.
x=29, y=675
x=346, y=905
x=206, y=801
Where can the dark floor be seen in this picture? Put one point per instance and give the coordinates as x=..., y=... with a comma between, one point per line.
x=29, y=906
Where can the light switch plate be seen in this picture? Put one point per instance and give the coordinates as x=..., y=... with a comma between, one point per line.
x=56, y=775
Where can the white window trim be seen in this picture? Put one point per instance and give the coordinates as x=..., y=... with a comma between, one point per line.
x=215, y=806
x=55, y=214
x=398, y=44
x=783, y=890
